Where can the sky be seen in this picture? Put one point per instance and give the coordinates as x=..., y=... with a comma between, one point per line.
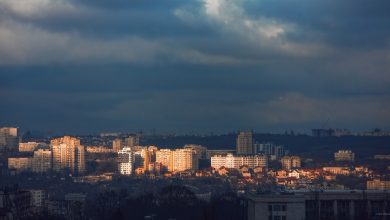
x=194, y=66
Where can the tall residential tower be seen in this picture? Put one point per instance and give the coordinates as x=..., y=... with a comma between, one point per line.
x=68, y=153
x=245, y=143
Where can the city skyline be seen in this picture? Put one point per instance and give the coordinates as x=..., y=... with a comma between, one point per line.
x=195, y=66
x=194, y=110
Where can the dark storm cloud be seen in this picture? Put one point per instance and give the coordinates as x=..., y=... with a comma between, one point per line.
x=210, y=65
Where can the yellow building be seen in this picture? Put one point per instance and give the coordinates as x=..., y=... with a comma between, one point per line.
x=290, y=162
x=344, y=155
x=68, y=153
x=20, y=164
x=184, y=159
x=378, y=184
x=165, y=158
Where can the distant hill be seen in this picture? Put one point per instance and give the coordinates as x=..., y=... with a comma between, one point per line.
x=316, y=147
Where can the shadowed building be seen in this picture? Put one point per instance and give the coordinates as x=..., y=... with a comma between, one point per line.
x=289, y=162
x=132, y=141
x=117, y=145
x=9, y=139
x=41, y=161
x=329, y=204
x=245, y=143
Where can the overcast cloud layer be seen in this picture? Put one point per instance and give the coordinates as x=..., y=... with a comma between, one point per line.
x=194, y=66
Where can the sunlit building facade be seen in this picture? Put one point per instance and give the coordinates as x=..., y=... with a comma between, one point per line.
x=28, y=146
x=69, y=154
x=235, y=162
x=184, y=159
x=165, y=158
x=289, y=162
x=19, y=164
x=344, y=155
x=142, y=159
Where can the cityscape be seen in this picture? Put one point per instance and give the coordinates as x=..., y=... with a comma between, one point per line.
x=103, y=176
x=194, y=110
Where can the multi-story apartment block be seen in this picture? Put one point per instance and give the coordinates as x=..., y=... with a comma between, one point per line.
x=244, y=143
x=68, y=153
x=324, y=204
x=28, y=146
x=184, y=159
x=20, y=164
x=142, y=159
x=344, y=155
x=165, y=158
x=378, y=184
x=230, y=161
x=37, y=198
x=132, y=141
x=9, y=139
x=42, y=161
x=289, y=162
x=117, y=145
x=126, y=161
x=273, y=151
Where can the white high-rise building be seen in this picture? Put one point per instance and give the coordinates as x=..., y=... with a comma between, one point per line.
x=235, y=162
x=41, y=161
x=126, y=161
x=68, y=153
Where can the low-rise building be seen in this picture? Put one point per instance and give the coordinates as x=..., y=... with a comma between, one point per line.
x=377, y=184
x=28, y=146
x=290, y=162
x=235, y=162
x=37, y=198
x=344, y=155
x=337, y=170
x=20, y=164
x=324, y=204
